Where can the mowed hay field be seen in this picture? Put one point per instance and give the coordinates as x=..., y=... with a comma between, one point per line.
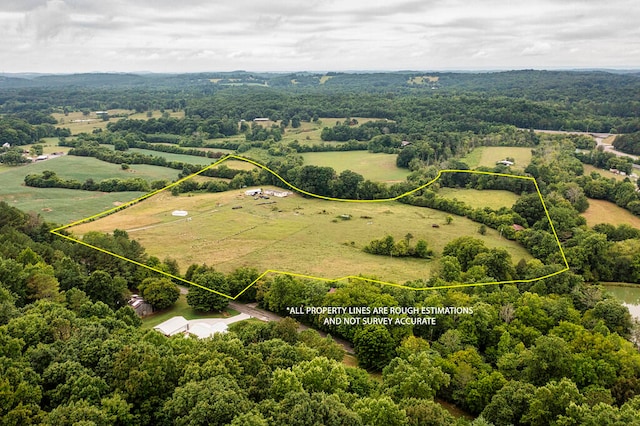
x=378, y=167
x=487, y=156
x=66, y=205
x=476, y=198
x=293, y=234
x=601, y=211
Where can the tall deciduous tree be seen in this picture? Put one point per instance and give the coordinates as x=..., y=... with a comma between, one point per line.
x=202, y=298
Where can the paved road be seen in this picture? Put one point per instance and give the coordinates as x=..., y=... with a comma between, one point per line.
x=264, y=315
x=599, y=138
x=253, y=311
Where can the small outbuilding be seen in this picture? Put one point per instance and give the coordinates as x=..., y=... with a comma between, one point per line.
x=505, y=162
x=253, y=192
x=141, y=306
x=180, y=213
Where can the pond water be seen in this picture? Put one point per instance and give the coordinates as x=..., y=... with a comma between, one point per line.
x=629, y=295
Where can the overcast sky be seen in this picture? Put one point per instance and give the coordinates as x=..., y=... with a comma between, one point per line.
x=316, y=35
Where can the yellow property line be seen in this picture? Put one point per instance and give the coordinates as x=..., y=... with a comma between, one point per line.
x=57, y=231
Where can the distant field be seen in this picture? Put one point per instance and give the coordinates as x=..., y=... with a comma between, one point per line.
x=377, y=167
x=588, y=168
x=493, y=198
x=80, y=123
x=488, y=156
x=309, y=132
x=601, y=211
x=293, y=234
x=65, y=205
x=77, y=122
x=156, y=114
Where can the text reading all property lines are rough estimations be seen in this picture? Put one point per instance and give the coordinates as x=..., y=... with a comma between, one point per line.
x=381, y=310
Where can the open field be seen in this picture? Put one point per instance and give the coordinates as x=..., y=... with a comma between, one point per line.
x=309, y=132
x=588, y=169
x=292, y=234
x=181, y=308
x=488, y=155
x=155, y=114
x=376, y=167
x=476, y=198
x=50, y=145
x=77, y=122
x=601, y=211
x=66, y=205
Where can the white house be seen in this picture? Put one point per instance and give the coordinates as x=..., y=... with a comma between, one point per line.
x=275, y=193
x=203, y=330
x=253, y=192
x=173, y=326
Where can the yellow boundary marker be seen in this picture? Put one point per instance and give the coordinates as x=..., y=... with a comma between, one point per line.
x=273, y=271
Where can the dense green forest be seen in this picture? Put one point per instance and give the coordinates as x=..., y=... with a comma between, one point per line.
x=553, y=351
x=558, y=350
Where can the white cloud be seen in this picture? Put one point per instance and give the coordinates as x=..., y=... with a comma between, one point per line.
x=316, y=34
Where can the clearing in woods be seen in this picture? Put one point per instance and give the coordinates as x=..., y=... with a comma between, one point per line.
x=320, y=236
x=476, y=198
x=487, y=156
x=295, y=234
x=602, y=211
x=377, y=167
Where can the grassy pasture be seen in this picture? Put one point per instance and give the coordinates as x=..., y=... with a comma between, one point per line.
x=309, y=132
x=476, y=198
x=601, y=211
x=66, y=205
x=155, y=114
x=588, y=169
x=376, y=167
x=488, y=155
x=293, y=234
x=77, y=122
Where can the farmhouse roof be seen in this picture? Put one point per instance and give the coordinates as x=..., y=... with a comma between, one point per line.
x=517, y=227
x=202, y=330
x=173, y=326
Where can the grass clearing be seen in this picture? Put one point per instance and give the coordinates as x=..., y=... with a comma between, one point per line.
x=181, y=308
x=293, y=234
x=601, y=211
x=476, y=198
x=588, y=169
x=487, y=156
x=376, y=167
x=61, y=206
x=78, y=123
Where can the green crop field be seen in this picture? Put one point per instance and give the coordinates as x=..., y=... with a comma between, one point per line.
x=292, y=234
x=66, y=205
x=602, y=211
x=488, y=156
x=480, y=198
x=377, y=167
